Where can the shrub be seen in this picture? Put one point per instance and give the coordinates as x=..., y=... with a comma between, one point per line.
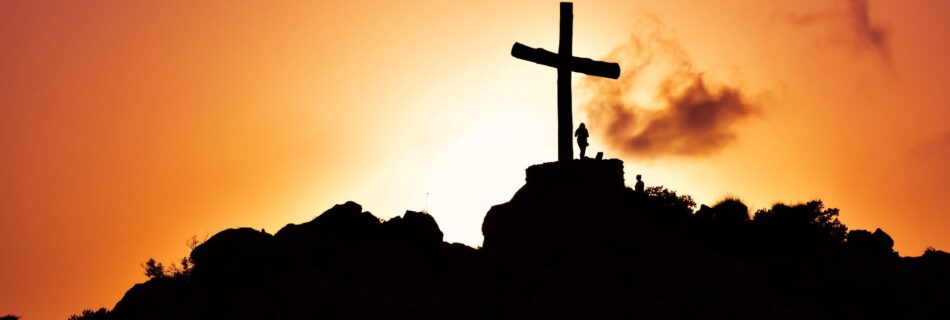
x=87, y=314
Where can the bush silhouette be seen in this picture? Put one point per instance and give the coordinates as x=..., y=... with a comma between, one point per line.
x=87, y=314
x=153, y=269
x=810, y=223
x=669, y=200
x=730, y=211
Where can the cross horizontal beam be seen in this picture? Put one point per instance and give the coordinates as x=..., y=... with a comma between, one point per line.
x=551, y=59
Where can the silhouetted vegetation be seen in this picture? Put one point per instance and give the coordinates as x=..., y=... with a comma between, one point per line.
x=10, y=317
x=154, y=269
x=669, y=199
x=573, y=243
x=87, y=314
x=803, y=222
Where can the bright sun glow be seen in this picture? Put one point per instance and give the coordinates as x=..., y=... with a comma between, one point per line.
x=464, y=182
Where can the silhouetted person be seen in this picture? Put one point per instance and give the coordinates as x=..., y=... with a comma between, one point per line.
x=639, y=186
x=582, y=135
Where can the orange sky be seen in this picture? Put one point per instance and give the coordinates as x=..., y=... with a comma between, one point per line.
x=126, y=127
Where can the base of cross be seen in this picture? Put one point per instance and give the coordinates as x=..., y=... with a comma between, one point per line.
x=565, y=208
x=577, y=173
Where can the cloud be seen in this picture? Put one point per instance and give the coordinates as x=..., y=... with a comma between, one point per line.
x=661, y=106
x=863, y=33
x=867, y=32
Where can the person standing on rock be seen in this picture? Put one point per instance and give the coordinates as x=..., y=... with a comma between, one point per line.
x=639, y=186
x=582, y=135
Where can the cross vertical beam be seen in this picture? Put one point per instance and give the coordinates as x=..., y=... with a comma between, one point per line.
x=565, y=119
x=565, y=63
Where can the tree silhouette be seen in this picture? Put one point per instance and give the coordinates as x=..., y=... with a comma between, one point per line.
x=668, y=199
x=810, y=221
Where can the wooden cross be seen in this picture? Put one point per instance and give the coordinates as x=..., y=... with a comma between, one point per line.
x=565, y=63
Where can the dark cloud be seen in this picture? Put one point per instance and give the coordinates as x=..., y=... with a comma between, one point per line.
x=866, y=31
x=661, y=106
x=864, y=34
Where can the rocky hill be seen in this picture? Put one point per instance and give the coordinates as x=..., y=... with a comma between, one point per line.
x=573, y=243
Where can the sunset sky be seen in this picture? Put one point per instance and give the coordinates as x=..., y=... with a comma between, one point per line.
x=127, y=127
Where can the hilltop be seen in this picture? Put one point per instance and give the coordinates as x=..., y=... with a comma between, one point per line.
x=574, y=242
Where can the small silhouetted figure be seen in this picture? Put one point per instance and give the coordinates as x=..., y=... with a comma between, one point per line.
x=582, y=135
x=639, y=186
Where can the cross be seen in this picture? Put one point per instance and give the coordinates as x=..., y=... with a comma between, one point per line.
x=565, y=63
